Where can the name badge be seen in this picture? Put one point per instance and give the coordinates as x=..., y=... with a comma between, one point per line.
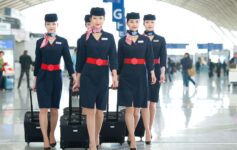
x=104, y=38
x=155, y=40
x=59, y=43
x=141, y=41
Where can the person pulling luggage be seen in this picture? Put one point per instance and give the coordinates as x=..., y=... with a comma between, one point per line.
x=48, y=76
x=96, y=54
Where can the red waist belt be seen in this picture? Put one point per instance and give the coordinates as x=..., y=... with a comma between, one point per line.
x=97, y=61
x=50, y=67
x=157, y=61
x=135, y=61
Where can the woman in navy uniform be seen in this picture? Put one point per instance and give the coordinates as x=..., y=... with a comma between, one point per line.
x=87, y=25
x=160, y=54
x=48, y=76
x=97, y=52
x=87, y=20
x=135, y=58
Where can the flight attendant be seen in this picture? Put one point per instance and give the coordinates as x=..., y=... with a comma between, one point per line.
x=160, y=54
x=87, y=20
x=48, y=76
x=87, y=25
x=135, y=58
x=97, y=53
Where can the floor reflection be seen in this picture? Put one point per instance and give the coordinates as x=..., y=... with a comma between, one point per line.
x=206, y=114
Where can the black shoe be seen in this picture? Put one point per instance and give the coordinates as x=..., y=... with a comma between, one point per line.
x=47, y=148
x=148, y=142
x=53, y=144
x=133, y=148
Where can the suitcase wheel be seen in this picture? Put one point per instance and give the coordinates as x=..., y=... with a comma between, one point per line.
x=121, y=144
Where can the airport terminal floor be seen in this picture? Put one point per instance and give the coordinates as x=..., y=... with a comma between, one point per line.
x=202, y=118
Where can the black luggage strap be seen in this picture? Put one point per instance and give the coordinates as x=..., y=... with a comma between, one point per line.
x=70, y=102
x=107, y=109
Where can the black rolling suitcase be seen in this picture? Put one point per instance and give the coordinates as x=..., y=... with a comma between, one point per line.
x=73, y=129
x=32, y=126
x=113, y=128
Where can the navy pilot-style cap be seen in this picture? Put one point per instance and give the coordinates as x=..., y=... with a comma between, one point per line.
x=149, y=17
x=97, y=11
x=87, y=18
x=132, y=15
x=51, y=18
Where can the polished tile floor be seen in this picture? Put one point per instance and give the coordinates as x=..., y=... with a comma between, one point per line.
x=202, y=118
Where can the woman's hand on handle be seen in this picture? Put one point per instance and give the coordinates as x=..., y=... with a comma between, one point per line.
x=76, y=82
x=34, y=85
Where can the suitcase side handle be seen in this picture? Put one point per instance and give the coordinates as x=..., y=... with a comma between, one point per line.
x=107, y=108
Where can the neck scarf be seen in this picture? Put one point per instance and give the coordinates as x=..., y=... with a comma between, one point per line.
x=46, y=39
x=129, y=36
x=149, y=33
x=51, y=34
x=91, y=30
x=132, y=33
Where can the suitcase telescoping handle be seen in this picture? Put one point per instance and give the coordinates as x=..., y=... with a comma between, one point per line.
x=107, y=109
x=70, y=102
x=31, y=104
x=70, y=96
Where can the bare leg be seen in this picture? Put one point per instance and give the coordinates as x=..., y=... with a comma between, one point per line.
x=90, y=120
x=146, y=122
x=152, y=108
x=129, y=119
x=53, y=123
x=98, y=125
x=136, y=116
x=43, y=117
